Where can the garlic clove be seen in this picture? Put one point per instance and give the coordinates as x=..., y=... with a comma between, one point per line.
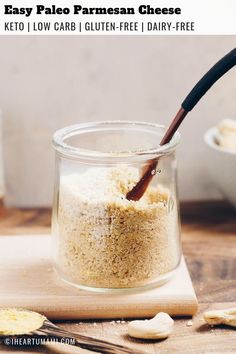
x=217, y=317
x=227, y=127
x=159, y=327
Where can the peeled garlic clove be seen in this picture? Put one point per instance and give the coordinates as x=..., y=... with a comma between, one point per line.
x=217, y=317
x=158, y=327
x=227, y=126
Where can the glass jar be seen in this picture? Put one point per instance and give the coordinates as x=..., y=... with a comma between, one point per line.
x=102, y=241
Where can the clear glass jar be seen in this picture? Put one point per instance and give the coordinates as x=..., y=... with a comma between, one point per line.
x=102, y=241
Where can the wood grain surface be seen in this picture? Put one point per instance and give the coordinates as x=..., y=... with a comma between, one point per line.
x=209, y=245
x=32, y=283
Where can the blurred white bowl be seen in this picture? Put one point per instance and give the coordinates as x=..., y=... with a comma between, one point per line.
x=222, y=166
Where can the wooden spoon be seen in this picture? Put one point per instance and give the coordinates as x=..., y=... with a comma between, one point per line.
x=199, y=90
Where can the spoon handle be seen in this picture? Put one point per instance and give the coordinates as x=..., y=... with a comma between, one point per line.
x=199, y=90
x=89, y=343
x=219, y=69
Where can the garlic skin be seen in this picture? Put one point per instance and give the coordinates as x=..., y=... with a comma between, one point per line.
x=159, y=327
x=217, y=317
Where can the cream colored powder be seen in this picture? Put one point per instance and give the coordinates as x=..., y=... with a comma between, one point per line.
x=17, y=321
x=106, y=240
x=227, y=134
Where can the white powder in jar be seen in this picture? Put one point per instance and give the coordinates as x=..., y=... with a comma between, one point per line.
x=108, y=241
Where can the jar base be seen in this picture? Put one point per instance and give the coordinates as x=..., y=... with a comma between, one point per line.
x=161, y=280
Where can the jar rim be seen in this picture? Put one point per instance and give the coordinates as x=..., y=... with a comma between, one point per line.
x=70, y=151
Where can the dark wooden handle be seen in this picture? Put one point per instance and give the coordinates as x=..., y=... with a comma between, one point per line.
x=218, y=70
x=203, y=85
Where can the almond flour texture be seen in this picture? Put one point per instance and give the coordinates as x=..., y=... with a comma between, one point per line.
x=107, y=241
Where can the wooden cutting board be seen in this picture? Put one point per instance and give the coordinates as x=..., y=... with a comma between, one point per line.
x=28, y=280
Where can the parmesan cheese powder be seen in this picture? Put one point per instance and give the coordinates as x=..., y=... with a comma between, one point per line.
x=107, y=241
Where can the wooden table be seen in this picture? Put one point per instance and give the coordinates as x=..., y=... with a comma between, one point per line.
x=209, y=245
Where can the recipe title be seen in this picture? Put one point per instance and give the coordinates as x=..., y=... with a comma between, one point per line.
x=80, y=10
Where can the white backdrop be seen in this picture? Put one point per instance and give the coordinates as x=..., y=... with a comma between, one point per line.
x=50, y=82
